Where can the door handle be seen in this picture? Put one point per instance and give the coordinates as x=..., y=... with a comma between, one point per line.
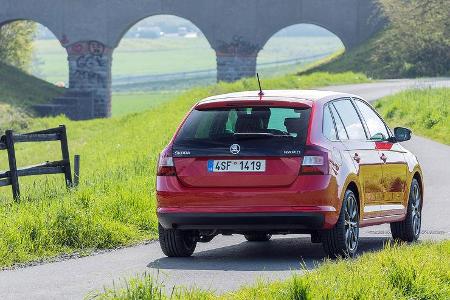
x=383, y=157
x=357, y=158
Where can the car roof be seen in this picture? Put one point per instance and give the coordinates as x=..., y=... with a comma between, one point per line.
x=300, y=96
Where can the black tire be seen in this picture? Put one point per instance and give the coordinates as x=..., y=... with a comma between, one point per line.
x=408, y=230
x=258, y=237
x=342, y=239
x=176, y=243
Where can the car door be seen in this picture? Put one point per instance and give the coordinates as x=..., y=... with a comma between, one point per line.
x=394, y=167
x=364, y=155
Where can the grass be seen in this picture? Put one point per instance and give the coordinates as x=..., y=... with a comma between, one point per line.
x=421, y=271
x=115, y=202
x=173, y=55
x=426, y=112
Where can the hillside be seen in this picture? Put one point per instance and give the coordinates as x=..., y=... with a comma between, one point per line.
x=20, y=89
x=357, y=59
x=415, y=43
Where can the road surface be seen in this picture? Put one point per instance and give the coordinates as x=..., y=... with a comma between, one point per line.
x=229, y=262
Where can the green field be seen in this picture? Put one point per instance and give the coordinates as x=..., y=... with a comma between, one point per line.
x=136, y=57
x=426, y=112
x=115, y=202
x=126, y=103
x=421, y=271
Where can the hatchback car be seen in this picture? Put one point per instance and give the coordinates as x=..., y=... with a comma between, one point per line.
x=286, y=162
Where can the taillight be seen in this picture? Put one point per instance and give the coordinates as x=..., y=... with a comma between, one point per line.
x=165, y=163
x=314, y=162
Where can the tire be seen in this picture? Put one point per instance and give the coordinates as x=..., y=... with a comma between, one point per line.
x=258, y=237
x=408, y=230
x=342, y=239
x=176, y=243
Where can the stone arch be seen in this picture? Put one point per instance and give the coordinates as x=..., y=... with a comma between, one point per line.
x=267, y=36
x=49, y=25
x=53, y=32
x=298, y=46
x=119, y=36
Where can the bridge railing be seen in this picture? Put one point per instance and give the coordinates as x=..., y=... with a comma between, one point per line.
x=11, y=177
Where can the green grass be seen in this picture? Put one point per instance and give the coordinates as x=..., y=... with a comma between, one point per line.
x=115, y=202
x=171, y=55
x=421, y=271
x=126, y=103
x=426, y=112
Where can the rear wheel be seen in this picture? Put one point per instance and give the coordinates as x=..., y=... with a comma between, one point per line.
x=176, y=243
x=408, y=230
x=342, y=239
x=258, y=237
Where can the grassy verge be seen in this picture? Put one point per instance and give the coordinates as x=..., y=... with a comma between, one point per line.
x=421, y=271
x=426, y=112
x=114, y=204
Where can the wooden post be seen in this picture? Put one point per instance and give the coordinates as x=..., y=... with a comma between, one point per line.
x=65, y=155
x=9, y=141
x=76, y=170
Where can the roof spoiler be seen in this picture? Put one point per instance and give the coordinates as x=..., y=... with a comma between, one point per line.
x=214, y=104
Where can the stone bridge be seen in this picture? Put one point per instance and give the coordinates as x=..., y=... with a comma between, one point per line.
x=237, y=30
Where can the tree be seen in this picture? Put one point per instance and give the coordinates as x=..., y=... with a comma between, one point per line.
x=16, y=47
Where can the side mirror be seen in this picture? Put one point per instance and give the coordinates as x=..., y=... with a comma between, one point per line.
x=402, y=134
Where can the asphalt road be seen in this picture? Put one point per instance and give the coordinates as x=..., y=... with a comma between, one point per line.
x=229, y=262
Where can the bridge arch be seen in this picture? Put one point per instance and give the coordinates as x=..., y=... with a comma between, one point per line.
x=38, y=61
x=296, y=44
x=119, y=37
x=161, y=52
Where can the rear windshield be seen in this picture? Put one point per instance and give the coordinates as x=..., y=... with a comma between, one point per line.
x=256, y=131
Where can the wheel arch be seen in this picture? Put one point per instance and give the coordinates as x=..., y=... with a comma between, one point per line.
x=352, y=183
x=352, y=186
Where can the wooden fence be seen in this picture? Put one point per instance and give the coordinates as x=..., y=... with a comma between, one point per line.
x=11, y=177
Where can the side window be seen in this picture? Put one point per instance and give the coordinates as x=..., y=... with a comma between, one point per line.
x=328, y=129
x=342, y=134
x=377, y=128
x=351, y=120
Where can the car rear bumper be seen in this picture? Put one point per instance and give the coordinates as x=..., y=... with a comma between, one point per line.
x=242, y=221
x=311, y=202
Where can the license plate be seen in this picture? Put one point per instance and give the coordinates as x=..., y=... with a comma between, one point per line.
x=236, y=165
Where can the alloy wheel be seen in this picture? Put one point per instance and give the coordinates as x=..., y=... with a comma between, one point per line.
x=351, y=219
x=416, y=213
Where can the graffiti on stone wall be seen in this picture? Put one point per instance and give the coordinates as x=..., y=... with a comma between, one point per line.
x=89, y=64
x=237, y=46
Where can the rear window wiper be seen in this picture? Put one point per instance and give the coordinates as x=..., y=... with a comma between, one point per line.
x=258, y=135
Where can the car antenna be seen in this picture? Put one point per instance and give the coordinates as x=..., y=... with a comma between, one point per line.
x=261, y=93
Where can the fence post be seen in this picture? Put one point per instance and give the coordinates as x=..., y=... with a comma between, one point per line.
x=9, y=141
x=76, y=170
x=65, y=155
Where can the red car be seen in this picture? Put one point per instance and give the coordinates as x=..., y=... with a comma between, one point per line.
x=286, y=162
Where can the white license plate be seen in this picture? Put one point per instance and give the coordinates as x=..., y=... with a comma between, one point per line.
x=236, y=165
